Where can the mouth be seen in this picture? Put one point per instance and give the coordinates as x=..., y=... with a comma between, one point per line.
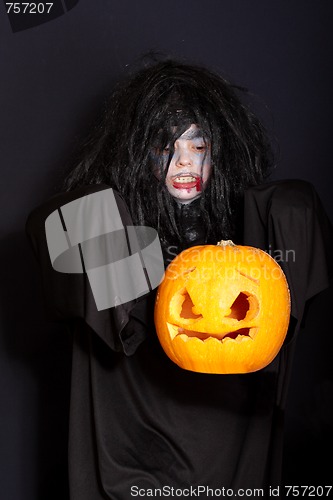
x=187, y=181
x=236, y=335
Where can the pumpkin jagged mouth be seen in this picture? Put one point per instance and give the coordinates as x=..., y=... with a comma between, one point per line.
x=236, y=335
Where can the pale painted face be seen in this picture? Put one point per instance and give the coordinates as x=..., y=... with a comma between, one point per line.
x=190, y=166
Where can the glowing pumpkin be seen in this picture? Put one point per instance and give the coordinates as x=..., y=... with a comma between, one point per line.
x=222, y=309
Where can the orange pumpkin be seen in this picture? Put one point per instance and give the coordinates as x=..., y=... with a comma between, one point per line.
x=222, y=309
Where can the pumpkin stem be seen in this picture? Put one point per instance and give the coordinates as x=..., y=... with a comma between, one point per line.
x=226, y=243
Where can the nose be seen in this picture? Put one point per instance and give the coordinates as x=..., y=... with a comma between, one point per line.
x=183, y=158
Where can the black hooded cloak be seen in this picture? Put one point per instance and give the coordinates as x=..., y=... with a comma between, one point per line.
x=138, y=422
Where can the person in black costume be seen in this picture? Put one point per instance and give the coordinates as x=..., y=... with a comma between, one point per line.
x=184, y=155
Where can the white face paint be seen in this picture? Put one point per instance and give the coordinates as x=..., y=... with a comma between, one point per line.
x=190, y=166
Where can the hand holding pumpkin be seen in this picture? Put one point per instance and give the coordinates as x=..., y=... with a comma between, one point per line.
x=222, y=309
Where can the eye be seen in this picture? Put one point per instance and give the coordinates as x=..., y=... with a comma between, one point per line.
x=161, y=151
x=199, y=145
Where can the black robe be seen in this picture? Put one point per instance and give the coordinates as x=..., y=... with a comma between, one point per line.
x=138, y=422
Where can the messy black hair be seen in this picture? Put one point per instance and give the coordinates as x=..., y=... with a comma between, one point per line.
x=148, y=111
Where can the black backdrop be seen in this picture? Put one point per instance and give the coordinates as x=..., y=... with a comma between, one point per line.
x=53, y=78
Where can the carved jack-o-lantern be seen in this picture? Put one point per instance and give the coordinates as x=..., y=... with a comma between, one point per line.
x=222, y=309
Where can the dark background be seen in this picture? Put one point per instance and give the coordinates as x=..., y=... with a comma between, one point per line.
x=53, y=79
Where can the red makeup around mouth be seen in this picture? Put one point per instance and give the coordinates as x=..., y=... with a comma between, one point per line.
x=186, y=182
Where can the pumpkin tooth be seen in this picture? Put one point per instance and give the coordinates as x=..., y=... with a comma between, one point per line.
x=173, y=330
x=212, y=339
x=253, y=332
x=240, y=338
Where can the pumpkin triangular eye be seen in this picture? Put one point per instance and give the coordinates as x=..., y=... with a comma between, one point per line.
x=242, y=305
x=187, y=307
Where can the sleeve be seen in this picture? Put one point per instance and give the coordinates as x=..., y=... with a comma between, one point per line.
x=286, y=219
x=95, y=266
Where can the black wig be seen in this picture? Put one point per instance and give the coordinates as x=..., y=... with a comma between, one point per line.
x=147, y=112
